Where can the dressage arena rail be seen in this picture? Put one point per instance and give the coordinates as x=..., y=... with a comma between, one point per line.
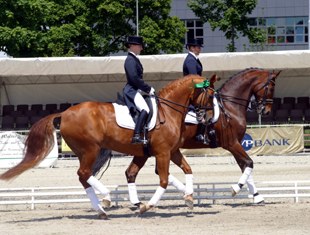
x=270, y=190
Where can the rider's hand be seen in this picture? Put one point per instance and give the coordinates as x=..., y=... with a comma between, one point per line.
x=152, y=91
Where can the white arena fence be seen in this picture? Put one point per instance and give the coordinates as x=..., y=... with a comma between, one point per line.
x=272, y=191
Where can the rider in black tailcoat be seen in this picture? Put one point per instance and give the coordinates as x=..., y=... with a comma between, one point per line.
x=135, y=86
x=192, y=65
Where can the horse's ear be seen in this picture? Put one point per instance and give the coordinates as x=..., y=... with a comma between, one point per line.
x=276, y=74
x=213, y=79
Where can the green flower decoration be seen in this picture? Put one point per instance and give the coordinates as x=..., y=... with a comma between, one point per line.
x=203, y=84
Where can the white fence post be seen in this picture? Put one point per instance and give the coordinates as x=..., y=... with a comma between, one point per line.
x=32, y=199
x=296, y=192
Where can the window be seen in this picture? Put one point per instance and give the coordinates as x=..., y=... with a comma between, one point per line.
x=194, y=29
x=283, y=30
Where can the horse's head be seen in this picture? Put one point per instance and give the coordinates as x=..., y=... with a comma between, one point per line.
x=202, y=91
x=264, y=91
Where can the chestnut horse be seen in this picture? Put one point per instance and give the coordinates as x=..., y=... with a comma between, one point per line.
x=233, y=97
x=90, y=127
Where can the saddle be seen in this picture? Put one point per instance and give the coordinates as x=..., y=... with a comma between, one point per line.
x=124, y=117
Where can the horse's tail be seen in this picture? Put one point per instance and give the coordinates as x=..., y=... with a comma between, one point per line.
x=101, y=160
x=39, y=143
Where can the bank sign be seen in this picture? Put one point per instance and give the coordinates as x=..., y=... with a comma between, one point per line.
x=248, y=142
x=273, y=140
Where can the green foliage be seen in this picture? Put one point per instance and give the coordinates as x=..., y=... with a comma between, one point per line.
x=33, y=28
x=229, y=16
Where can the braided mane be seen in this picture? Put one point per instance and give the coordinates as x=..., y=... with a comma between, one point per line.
x=171, y=86
x=238, y=74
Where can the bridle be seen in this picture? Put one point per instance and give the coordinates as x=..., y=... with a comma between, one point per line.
x=261, y=102
x=258, y=104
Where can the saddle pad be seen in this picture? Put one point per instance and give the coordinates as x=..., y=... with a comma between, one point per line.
x=124, y=119
x=191, y=118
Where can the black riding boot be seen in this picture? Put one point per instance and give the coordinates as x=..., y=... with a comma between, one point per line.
x=200, y=135
x=212, y=136
x=136, y=139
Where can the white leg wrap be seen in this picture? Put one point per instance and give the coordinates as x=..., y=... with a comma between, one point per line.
x=251, y=185
x=244, y=177
x=235, y=189
x=157, y=196
x=176, y=183
x=96, y=184
x=258, y=199
x=189, y=184
x=94, y=199
x=133, y=195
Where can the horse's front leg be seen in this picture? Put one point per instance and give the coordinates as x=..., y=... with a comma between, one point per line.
x=162, y=162
x=131, y=173
x=246, y=165
x=188, y=189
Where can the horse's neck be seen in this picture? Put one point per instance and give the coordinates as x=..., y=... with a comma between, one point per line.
x=241, y=89
x=178, y=96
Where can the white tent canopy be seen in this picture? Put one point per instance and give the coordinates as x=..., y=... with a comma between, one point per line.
x=77, y=79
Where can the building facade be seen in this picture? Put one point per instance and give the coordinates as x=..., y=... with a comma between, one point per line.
x=284, y=21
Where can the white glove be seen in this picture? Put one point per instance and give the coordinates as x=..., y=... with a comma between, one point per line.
x=152, y=91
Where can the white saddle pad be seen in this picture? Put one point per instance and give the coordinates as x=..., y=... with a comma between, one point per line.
x=124, y=119
x=191, y=118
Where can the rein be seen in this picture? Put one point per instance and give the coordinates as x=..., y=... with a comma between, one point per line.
x=169, y=103
x=227, y=98
x=259, y=104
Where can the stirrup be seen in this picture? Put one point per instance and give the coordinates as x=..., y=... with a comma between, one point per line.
x=136, y=139
x=200, y=138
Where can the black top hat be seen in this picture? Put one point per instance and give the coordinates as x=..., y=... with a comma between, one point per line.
x=136, y=40
x=194, y=42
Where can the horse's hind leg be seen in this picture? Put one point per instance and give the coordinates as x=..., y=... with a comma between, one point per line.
x=90, y=183
x=246, y=165
x=188, y=189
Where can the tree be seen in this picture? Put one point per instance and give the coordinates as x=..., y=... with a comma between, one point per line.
x=33, y=28
x=229, y=16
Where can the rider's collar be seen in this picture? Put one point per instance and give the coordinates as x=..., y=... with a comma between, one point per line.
x=132, y=53
x=193, y=54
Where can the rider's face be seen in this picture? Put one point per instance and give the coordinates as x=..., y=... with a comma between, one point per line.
x=136, y=49
x=196, y=50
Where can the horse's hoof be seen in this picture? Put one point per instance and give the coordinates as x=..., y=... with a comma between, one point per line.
x=102, y=215
x=145, y=208
x=136, y=206
x=259, y=199
x=190, y=213
x=106, y=203
x=140, y=205
x=235, y=189
x=189, y=201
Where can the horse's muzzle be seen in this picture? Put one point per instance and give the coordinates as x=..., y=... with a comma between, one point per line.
x=266, y=111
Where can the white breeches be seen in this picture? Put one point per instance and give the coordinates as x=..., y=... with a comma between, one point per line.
x=140, y=103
